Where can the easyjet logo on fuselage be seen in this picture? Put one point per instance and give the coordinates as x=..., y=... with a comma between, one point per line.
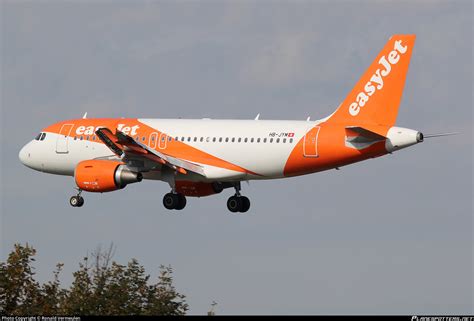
x=377, y=80
x=90, y=130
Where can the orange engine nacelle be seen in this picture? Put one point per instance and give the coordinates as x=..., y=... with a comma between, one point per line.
x=198, y=189
x=104, y=176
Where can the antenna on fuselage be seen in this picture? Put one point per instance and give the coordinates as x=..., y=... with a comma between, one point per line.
x=307, y=119
x=85, y=116
x=258, y=116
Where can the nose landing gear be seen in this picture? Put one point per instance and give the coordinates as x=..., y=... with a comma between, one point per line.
x=78, y=200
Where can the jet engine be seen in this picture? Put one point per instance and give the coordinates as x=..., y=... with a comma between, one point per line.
x=104, y=176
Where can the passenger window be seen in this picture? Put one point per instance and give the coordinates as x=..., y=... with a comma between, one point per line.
x=251, y=140
x=291, y=140
x=240, y=139
x=189, y=139
x=227, y=139
x=202, y=139
x=245, y=139
x=258, y=140
x=233, y=139
x=162, y=138
x=169, y=138
x=284, y=140
x=93, y=137
x=208, y=139
x=38, y=136
x=214, y=140
x=278, y=140
x=220, y=140
x=80, y=137
x=43, y=136
x=195, y=138
x=182, y=138
x=271, y=140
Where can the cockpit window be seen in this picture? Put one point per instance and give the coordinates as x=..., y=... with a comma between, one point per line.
x=40, y=136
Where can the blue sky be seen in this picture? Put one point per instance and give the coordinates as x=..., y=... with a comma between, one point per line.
x=391, y=235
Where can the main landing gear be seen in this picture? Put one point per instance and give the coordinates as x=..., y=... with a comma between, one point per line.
x=238, y=203
x=77, y=201
x=174, y=201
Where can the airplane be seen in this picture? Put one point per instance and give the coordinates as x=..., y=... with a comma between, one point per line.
x=202, y=157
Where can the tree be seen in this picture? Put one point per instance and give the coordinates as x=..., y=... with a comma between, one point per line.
x=19, y=292
x=100, y=287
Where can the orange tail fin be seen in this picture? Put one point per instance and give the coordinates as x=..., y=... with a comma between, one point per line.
x=376, y=96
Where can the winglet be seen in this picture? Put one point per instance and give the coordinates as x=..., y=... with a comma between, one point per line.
x=258, y=116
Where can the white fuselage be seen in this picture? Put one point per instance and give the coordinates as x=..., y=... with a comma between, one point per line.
x=257, y=145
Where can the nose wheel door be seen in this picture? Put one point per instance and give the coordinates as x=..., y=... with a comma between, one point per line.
x=62, y=141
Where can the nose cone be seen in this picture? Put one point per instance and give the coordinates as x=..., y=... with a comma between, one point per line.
x=25, y=156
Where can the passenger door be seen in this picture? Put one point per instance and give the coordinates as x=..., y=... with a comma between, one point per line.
x=310, y=146
x=63, y=138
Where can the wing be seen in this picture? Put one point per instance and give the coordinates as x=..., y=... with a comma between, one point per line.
x=125, y=146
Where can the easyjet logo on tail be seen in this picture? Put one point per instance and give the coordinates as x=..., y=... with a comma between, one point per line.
x=377, y=80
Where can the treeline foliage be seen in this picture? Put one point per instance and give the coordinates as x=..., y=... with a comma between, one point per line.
x=100, y=287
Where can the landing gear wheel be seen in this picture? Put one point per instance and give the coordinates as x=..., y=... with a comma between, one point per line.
x=170, y=201
x=81, y=201
x=238, y=204
x=181, y=202
x=76, y=201
x=173, y=201
x=245, y=204
x=234, y=203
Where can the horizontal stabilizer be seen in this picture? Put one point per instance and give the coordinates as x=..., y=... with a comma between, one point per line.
x=362, y=135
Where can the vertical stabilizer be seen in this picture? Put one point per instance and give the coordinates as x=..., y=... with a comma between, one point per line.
x=375, y=98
